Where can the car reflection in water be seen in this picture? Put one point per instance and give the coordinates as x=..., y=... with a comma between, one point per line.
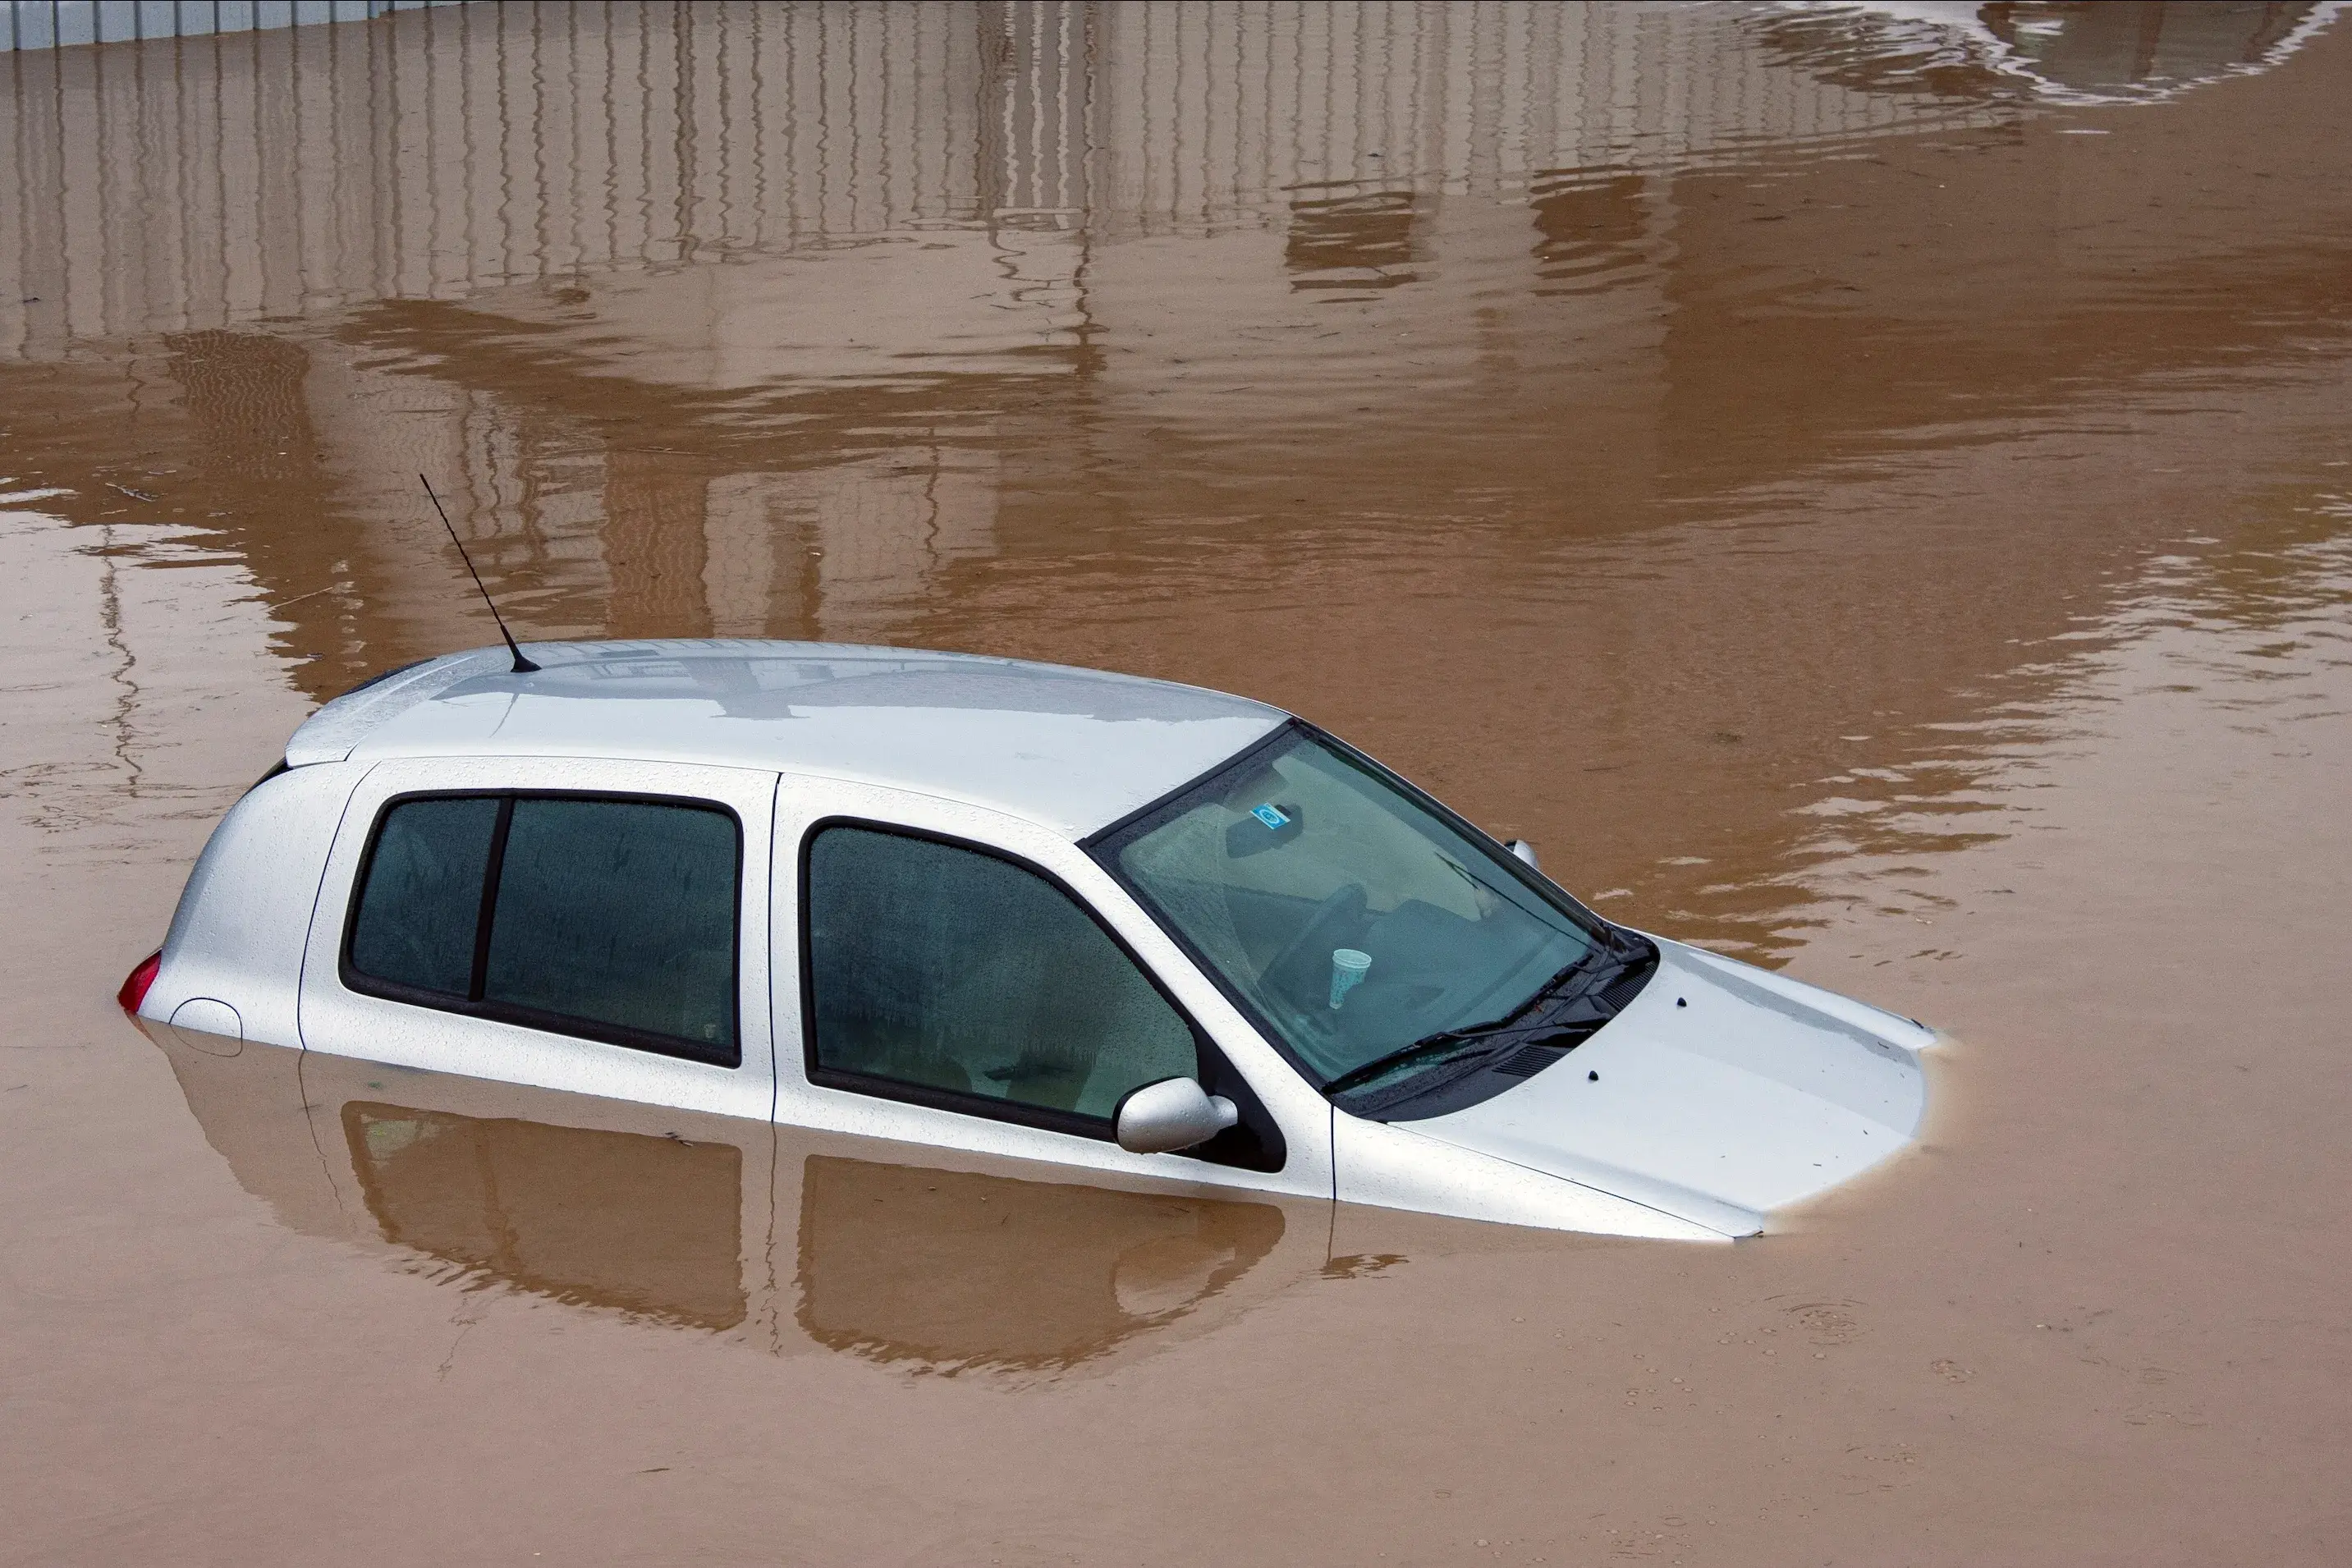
x=676, y=1220
x=648, y=1225
x=953, y=1269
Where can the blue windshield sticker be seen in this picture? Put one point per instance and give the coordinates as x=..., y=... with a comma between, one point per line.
x=1271, y=815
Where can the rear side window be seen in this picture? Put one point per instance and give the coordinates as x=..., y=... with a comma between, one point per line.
x=958, y=978
x=615, y=919
x=417, y=909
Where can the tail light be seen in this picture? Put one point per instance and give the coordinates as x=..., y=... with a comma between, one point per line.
x=134, y=985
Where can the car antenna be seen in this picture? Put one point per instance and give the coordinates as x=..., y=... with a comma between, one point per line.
x=521, y=665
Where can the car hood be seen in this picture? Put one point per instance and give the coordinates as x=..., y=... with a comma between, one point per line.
x=1721, y=1092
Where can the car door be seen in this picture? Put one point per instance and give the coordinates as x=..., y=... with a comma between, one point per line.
x=953, y=976
x=594, y=926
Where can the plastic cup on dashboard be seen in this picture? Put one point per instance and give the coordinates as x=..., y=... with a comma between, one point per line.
x=1349, y=968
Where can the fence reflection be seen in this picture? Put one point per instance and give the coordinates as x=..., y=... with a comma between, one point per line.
x=199, y=181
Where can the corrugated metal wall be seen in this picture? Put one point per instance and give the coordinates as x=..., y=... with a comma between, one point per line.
x=63, y=24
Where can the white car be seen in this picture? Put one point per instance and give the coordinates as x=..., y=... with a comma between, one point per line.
x=1118, y=925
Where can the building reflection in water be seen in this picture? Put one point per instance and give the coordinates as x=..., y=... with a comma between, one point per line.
x=1649, y=365
x=435, y=153
x=789, y=1241
x=748, y=293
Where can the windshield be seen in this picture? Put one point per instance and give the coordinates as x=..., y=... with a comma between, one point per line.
x=1353, y=919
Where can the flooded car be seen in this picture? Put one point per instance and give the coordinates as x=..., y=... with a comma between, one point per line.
x=1121, y=926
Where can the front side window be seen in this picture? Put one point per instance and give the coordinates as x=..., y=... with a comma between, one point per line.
x=946, y=974
x=610, y=919
x=1351, y=917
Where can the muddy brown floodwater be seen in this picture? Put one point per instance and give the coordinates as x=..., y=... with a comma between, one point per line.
x=1869, y=489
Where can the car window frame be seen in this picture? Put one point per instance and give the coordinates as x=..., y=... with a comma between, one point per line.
x=563, y=1023
x=1210, y=1067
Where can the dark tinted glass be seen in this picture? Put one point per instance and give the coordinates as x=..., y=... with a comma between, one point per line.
x=954, y=970
x=622, y=913
x=424, y=894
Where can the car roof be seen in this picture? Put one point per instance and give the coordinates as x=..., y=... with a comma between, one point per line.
x=1073, y=750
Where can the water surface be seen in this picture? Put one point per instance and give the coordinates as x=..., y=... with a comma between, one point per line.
x=1868, y=489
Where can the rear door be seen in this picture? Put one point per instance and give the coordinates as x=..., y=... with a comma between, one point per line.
x=599, y=927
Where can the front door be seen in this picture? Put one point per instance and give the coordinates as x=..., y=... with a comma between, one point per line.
x=971, y=981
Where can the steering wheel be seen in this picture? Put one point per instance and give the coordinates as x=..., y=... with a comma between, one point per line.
x=1296, y=970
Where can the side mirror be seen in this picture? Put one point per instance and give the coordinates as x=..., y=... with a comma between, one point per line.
x=1523, y=849
x=1174, y=1113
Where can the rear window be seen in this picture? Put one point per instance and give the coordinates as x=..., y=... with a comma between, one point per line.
x=614, y=920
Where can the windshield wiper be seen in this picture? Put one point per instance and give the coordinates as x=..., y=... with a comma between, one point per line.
x=1436, y=1045
x=1496, y=1033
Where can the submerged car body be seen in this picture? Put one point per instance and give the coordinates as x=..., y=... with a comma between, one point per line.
x=1113, y=924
